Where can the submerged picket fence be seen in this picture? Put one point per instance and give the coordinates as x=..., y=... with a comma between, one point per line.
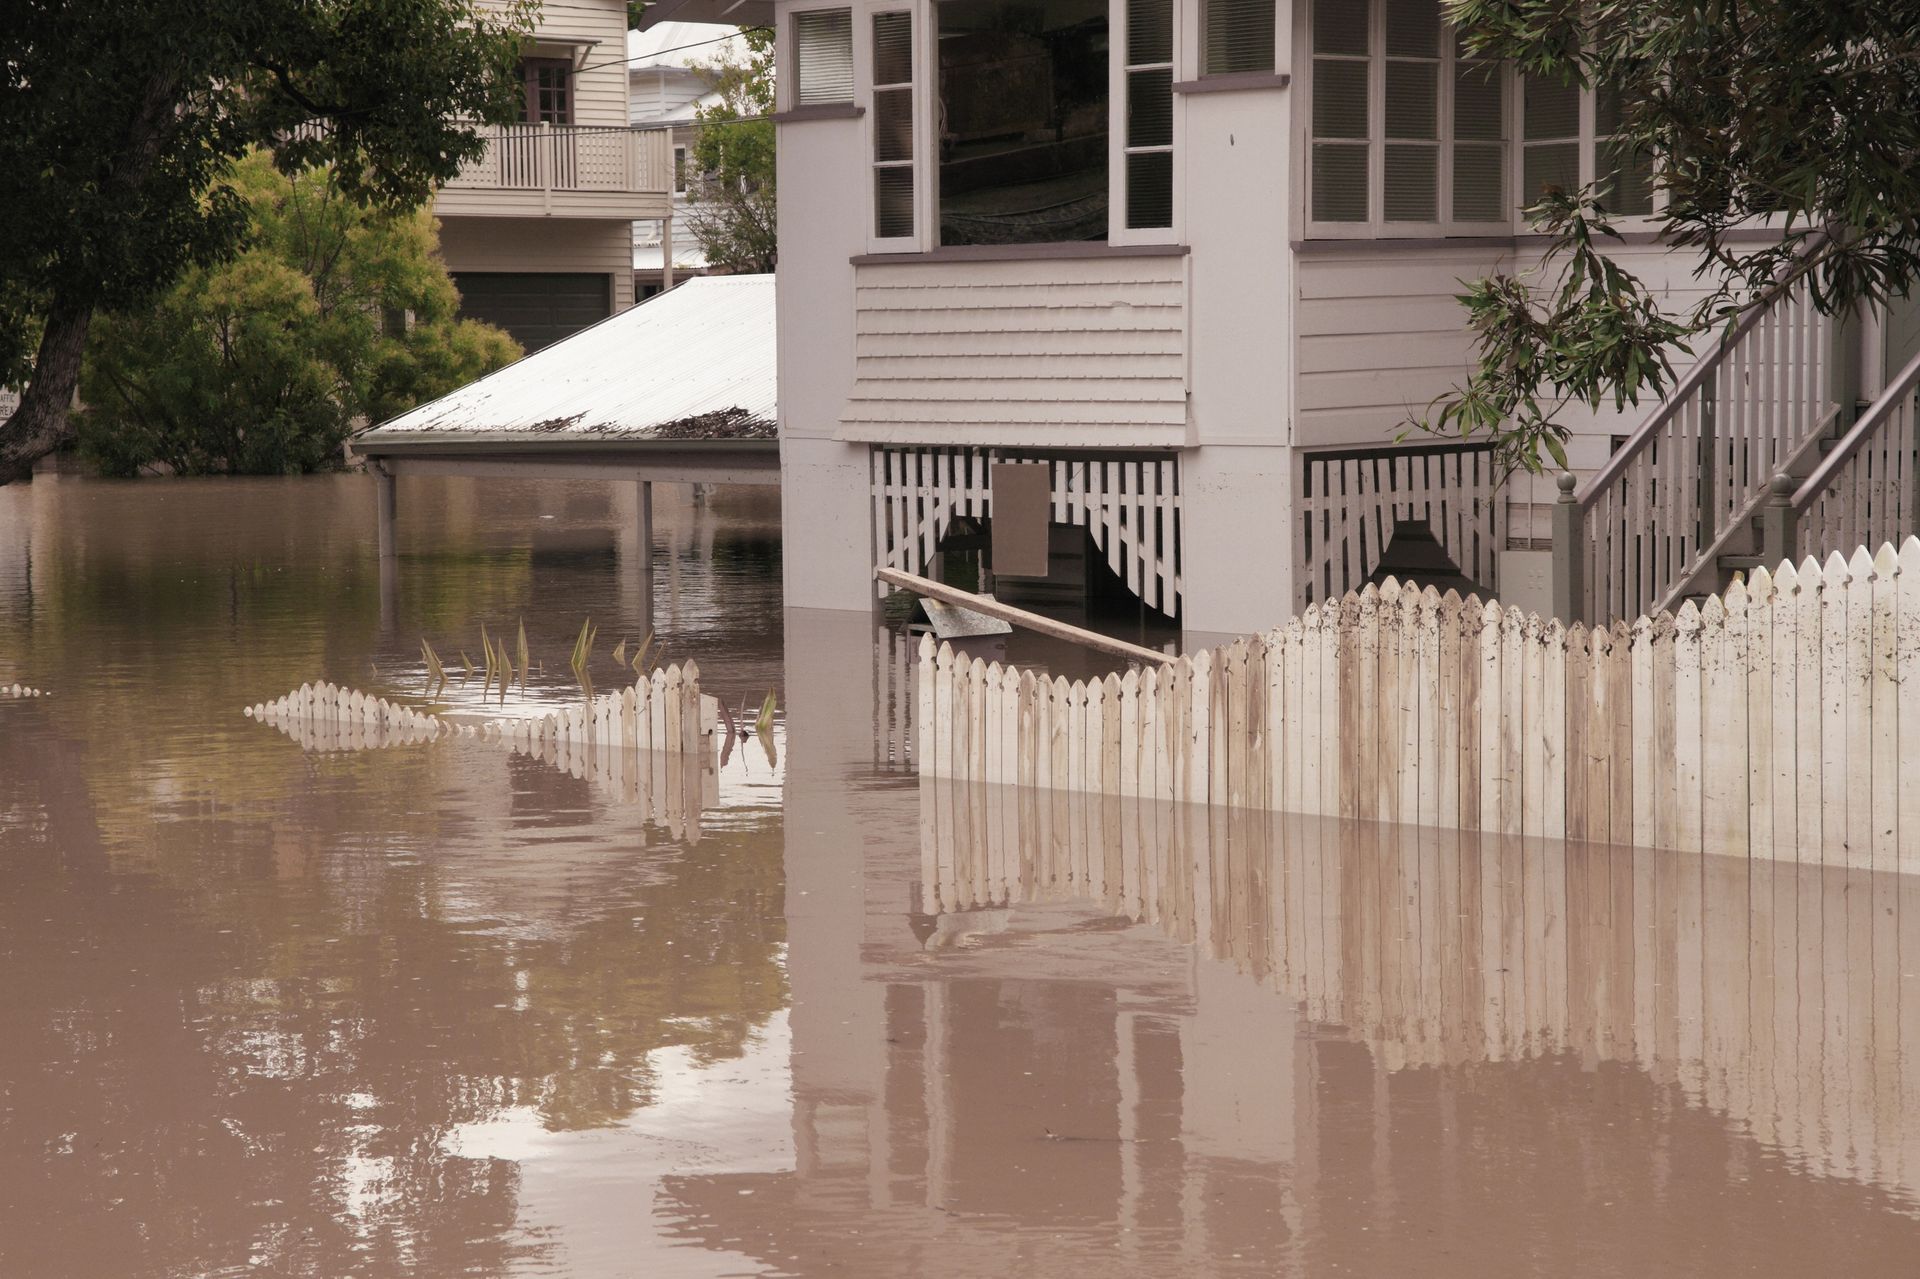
x=1770, y=722
x=664, y=712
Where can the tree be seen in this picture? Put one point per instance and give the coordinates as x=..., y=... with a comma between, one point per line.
x=262, y=364
x=1799, y=115
x=731, y=212
x=119, y=122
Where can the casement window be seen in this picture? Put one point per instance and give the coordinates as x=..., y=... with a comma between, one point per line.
x=891, y=126
x=1570, y=137
x=547, y=86
x=1237, y=36
x=822, y=57
x=1407, y=135
x=679, y=170
x=1147, y=146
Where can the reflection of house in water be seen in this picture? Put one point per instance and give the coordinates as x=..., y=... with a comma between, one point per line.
x=1386, y=1051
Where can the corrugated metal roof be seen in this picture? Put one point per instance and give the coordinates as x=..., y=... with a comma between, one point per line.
x=706, y=347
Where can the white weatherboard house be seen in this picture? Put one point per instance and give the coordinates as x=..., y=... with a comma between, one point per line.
x=538, y=234
x=1200, y=257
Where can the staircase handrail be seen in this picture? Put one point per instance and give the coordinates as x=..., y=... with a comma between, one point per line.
x=1863, y=430
x=1690, y=382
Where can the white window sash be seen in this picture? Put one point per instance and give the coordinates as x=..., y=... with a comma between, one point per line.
x=1118, y=231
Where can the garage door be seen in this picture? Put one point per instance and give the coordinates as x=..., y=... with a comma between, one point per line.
x=536, y=307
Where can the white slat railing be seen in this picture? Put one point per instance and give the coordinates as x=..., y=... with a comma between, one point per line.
x=566, y=157
x=1701, y=462
x=1349, y=502
x=1866, y=491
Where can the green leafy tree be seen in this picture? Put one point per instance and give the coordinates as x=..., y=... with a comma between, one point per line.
x=731, y=212
x=1798, y=115
x=118, y=123
x=336, y=312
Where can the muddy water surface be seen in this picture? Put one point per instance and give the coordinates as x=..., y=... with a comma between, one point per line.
x=443, y=1010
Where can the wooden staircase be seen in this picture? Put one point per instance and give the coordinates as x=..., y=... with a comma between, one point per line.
x=1745, y=464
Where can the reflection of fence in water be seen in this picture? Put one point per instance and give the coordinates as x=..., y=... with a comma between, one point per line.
x=652, y=744
x=1784, y=996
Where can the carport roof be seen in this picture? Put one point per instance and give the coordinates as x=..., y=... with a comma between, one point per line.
x=695, y=363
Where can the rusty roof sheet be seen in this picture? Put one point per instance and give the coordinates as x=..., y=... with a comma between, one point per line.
x=698, y=357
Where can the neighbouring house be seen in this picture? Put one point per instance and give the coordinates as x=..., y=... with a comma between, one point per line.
x=667, y=84
x=539, y=233
x=1200, y=258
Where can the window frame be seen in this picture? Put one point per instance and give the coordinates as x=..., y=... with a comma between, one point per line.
x=1119, y=34
x=1196, y=19
x=1376, y=227
x=787, y=88
x=924, y=232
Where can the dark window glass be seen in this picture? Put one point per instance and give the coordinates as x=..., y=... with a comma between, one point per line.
x=1236, y=35
x=1023, y=121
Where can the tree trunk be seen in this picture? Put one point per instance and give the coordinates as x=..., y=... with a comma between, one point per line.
x=40, y=424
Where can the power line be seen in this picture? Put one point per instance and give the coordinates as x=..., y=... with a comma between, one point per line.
x=618, y=62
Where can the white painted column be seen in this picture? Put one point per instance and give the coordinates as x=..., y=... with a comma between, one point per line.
x=666, y=253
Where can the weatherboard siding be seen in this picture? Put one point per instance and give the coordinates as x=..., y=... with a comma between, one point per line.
x=1086, y=351
x=600, y=87
x=1380, y=332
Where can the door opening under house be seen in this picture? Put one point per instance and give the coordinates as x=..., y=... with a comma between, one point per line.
x=1114, y=518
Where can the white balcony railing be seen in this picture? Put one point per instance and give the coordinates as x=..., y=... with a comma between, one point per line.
x=568, y=157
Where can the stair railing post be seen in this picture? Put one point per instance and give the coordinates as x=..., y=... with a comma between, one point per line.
x=1777, y=522
x=1569, y=591
x=1709, y=461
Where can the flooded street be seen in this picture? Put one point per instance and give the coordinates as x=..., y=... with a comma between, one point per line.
x=441, y=1009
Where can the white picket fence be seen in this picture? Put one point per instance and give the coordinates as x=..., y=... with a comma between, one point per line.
x=652, y=744
x=663, y=712
x=1779, y=994
x=1770, y=722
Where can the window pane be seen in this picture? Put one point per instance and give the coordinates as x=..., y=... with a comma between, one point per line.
x=1555, y=164
x=1023, y=121
x=1236, y=35
x=823, y=56
x=1413, y=99
x=1412, y=183
x=1340, y=26
x=1339, y=99
x=893, y=124
x=1552, y=110
x=1480, y=182
x=893, y=48
x=1479, y=102
x=1630, y=173
x=1150, y=108
x=1339, y=182
x=893, y=201
x=1150, y=190
x=1608, y=108
x=1413, y=28
x=1149, y=31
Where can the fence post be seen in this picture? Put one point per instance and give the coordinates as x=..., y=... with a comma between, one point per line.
x=1778, y=533
x=1569, y=591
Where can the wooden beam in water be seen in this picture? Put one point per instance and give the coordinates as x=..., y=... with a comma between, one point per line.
x=1018, y=616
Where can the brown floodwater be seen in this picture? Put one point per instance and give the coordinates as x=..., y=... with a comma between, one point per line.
x=441, y=1009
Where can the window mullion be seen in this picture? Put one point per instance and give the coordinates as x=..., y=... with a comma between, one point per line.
x=1377, y=117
